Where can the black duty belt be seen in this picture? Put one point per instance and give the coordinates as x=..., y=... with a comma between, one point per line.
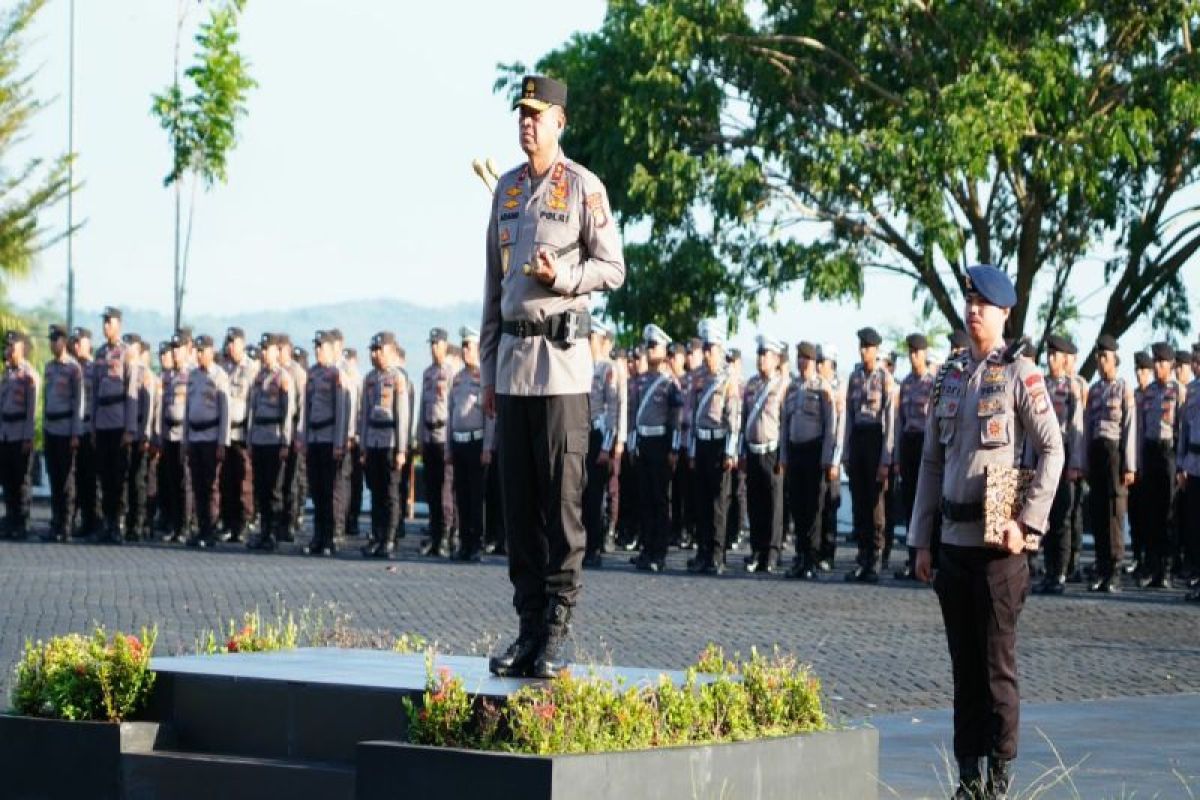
x=559, y=328
x=962, y=512
x=270, y=420
x=203, y=426
x=319, y=426
x=111, y=400
x=435, y=426
x=57, y=416
x=1194, y=449
x=14, y=417
x=386, y=423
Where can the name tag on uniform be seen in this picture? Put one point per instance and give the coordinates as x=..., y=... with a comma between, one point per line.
x=994, y=430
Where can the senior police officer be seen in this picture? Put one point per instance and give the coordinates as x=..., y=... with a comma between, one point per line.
x=985, y=403
x=384, y=425
x=114, y=422
x=205, y=437
x=809, y=456
x=760, y=457
x=1110, y=431
x=1158, y=420
x=911, y=416
x=272, y=417
x=435, y=389
x=18, y=414
x=551, y=242
x=62, y=427
x=653, y=440
x=869, y=445
x=322, y=439
x=714, y=412
x=237, y=485
x=469, y=435
x=606, y=407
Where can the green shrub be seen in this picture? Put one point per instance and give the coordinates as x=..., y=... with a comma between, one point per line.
x=740, y=699
x=77, y=677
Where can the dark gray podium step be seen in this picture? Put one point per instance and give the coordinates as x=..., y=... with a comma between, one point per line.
x=197, y=776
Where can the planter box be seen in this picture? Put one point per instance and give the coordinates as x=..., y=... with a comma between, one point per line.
x=46, y=759
x=833, y=764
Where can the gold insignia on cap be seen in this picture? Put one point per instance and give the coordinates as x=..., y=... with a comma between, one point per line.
x=530, y=88
x=970, y=285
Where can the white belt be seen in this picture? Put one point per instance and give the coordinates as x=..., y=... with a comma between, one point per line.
x=598, y=424
x=467, y=436
x=710, y=434
x=762, y=449
x=652, y=430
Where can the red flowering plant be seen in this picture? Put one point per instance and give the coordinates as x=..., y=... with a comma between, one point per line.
x=77, y=677
x=445, y=716
x=256, y=634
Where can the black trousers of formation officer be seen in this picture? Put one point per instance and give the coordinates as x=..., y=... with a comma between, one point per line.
x=806, y=494
x=866, y=493
x=593, y=494
x=469, y=489
x=712, y=492
x=112, y=465
x=764, y=506
x=15, y=467
x=654, y=483
x=1107, y=501
x=60, y=468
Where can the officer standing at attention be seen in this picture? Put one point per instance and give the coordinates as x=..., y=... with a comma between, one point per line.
x=18, y=421
x=295, y=475
x=140, y=455
x=237, y=485
x=760, y=459
x=62, y=428
x=86, y=499
x=205, y=437
x=1188, y=477
x=831, y=492
x=870, y=440
x=986, y=402
x=272, y=416
x=911, y=416
x=809, y=456
x=1143, y=373
x=384, y=433
x=322, y=440
x=114, y=422
x=1068, y=411
x=653, y=441
x=352, y=464
x=1110, y=429
x=605, y=405
x=435, y=389
x=174, y=489
x=469, y=434
x=551, y=242
x=1158, y=418
x=714, y=409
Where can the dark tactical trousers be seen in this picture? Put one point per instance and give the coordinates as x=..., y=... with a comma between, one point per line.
x=764, y=505
x=733, y=513
x=237, y=488
x=434, y=458
x=293, y=488
x=468, y=494
x=1137, y=513
x=654, y=486
x=60, y=467
x=593, y=495
x=383, y=479
x=1082, y=492
x=832, y=492
x=112, y=465
x=15, y=473
x=137, y=488
x=354, y=492
x=866, y=493
x=269, y=461
x=1157, y=479
x=712, y=494
x=806, y=496
x=205, y=471
x=1191, y=523
x=683, y=502
x=629, y=511
x=324, y=483
x=175, y=493
x=1107, y=502
x=543, y=444
x=86, y=498
x=1056, y=547
x=982, y=592
x=493, y=507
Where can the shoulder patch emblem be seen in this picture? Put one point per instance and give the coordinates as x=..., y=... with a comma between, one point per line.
x=598, y=208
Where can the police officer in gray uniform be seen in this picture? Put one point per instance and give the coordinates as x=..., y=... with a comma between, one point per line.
x=809, y=456
x=606, y=406
x=912, y=411
x=272, y=417
x=760, y=459
x=986, y=402
x=1188, y=476
x=323, y=439
x=18, y=420
x=87, y=501
x=384, y=425
x=114, y=422
x=62, y=428
x=140, y=449
x=237, y=484
x=435, y=388
x=295, y=471
x=1158, y=422
x=469, y=434
x=551, y=242
x=352, y=467
x=653, y=440
x=205, y=437
x=1110, y=430
x=175, y=489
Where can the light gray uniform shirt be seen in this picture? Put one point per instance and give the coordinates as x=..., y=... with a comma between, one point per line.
x=18, y=403
x=386, y=404
x=207, y=407
x=64, y=405
x=810, y=414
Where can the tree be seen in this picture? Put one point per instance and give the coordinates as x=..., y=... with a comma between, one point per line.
x=817, y=142
x=202, y=126
x=29, y=189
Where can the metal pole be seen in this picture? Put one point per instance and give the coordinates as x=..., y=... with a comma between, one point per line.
x=71, y=172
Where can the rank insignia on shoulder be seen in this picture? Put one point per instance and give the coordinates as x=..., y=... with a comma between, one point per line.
x=513, y=191
x=510, y=204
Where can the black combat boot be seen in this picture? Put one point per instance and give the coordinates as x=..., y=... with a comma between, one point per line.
x=518, y=660
x=999, y=778
x=552, y=658
x=970, y=780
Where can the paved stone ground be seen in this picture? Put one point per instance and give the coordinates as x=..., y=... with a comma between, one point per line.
x=878, y=649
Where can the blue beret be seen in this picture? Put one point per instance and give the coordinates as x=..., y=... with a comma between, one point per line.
x=992, y=285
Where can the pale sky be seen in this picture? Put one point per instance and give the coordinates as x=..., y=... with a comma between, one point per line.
x=352, y=178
